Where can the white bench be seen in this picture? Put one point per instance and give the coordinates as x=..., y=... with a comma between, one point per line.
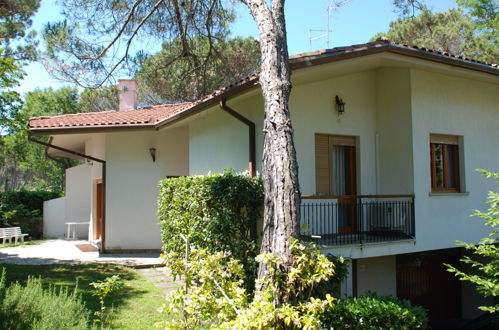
x=7, y=234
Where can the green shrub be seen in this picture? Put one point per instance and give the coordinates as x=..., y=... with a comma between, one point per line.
x=374, y=312
x=216, y=212
x=32, y=307
x=24, y=209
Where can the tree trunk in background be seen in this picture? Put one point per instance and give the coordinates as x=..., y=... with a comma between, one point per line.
x=280, y=169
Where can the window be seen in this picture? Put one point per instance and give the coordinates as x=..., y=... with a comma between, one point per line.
x=444, y=152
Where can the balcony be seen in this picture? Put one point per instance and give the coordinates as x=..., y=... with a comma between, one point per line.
x=356, y=220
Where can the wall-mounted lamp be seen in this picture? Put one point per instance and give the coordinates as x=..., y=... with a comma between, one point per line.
x=340, y=104
x=152, y=151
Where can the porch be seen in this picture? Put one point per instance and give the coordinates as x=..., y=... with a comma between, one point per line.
x=357, y=219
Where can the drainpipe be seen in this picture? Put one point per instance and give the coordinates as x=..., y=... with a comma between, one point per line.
x=55, y=159
x=103, y=162
x=251, y=133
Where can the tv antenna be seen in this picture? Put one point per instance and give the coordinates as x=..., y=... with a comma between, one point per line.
x=316, y=34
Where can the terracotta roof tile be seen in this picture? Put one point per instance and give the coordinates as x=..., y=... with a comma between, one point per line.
x=161, y=114
x=147, y=117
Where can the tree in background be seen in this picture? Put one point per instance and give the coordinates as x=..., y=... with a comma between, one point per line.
x=100, y=99
x=164, y=80
x=24, y=164
x=10, y=101
x=470, y=31
x=15, y=20
x=485, y=278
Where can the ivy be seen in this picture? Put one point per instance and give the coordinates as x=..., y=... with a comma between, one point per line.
x=216, y=212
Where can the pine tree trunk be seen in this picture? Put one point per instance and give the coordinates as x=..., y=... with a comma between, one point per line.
x=280, y=169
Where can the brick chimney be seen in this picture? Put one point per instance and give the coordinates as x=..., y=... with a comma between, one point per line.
x=127, y=94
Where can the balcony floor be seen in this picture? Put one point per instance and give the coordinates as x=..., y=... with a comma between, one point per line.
x=377, y=236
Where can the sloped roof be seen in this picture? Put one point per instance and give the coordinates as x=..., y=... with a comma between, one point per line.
x=146, y=116
x=157, y=116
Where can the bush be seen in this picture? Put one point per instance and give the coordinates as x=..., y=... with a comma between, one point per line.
x=32, y=307
x=216, y=212
x=374, y=312
x=24, y=209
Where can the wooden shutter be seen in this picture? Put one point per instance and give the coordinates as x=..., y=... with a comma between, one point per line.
x=322, y=166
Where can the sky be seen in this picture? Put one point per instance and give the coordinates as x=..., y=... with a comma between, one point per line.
x=356, y=22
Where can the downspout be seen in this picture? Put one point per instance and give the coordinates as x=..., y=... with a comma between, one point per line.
x=55, y=159
x=251, y=133
x=103, y=162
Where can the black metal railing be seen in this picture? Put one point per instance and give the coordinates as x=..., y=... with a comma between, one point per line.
x=346, y=220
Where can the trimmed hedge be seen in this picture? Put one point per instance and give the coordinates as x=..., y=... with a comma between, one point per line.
x=24, y=209
x=217, y=212
x=374, y=312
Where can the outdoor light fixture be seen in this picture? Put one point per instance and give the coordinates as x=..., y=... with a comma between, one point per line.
x=340, y=104
x=152, y=151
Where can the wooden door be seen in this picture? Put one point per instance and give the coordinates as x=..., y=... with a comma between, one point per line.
x=99, y=211
x=344, y=183
x=423, y=279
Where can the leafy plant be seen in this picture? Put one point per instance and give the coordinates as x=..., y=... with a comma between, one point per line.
x=374, y=312
x=217, y=212
x=486, y=280
x=32, y=307
x=102, y=289
x=23, y=208
x=214, y=295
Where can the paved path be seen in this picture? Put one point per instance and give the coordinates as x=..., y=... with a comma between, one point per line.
x=161, y=278
x=64, y=251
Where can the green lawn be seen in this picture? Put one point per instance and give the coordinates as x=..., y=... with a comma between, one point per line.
x=135, y=306
x=26, y=243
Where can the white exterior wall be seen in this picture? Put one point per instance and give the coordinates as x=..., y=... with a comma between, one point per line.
x=377, y=275
x=454, y=106
x=54, y=217
x=78, y=189
x=132, y=184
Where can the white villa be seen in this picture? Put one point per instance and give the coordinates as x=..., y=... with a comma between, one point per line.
x=388, y=140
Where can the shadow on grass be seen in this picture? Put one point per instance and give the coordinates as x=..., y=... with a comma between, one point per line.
x=80, y=275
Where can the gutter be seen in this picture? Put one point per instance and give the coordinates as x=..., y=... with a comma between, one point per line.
x=103, y=162
x=251, y=134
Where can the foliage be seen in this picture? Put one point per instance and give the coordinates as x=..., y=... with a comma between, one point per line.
x=407, y=8
x=452, y=31
x=134, y=307
x=185, y=79
x=486, y=280
x=214, y=293
x=332, y=286
x=23, y=209
x=15, y=20
x=25, y=164
x=213, y=287
x=79, y=49
x=10, y=101
x=32, y=307
x=100, y=99
x=103, y=289
x=217, y=212
x=374, y=312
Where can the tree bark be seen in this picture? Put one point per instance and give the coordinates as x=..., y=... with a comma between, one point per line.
x=280, y=168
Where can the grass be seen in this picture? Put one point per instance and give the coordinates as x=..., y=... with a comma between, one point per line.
x=135, y=306
x=26, y=243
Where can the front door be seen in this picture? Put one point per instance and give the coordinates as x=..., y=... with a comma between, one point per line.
x=99, y=211
x=343, y=183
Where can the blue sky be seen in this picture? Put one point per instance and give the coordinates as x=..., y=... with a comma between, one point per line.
x=354, y=23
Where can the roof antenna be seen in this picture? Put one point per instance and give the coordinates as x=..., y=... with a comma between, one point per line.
x=331, y=6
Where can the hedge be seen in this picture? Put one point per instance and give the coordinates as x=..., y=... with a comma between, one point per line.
x=374, y=312
x=217, y=212
x=24, y=209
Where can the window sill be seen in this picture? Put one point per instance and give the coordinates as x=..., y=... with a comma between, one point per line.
x=449, y=193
